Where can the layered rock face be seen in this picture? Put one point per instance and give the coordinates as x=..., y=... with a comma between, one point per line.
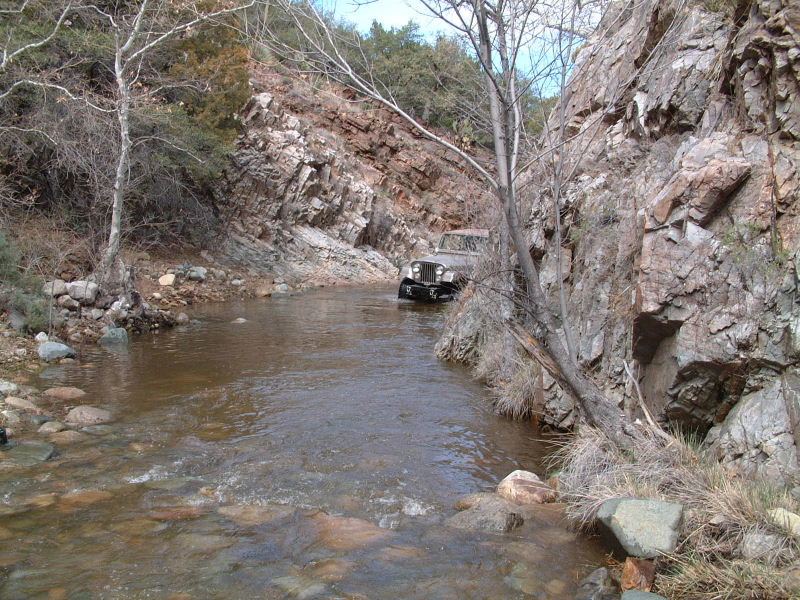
x=682, y=226
x=327, y=190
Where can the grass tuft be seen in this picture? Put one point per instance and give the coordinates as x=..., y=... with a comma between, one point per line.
x=721, y=511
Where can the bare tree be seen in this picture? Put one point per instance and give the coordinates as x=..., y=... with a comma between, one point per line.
x=137, y=34
x=500, y=33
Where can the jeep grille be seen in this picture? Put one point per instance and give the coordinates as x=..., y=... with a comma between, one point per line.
x=427, y=272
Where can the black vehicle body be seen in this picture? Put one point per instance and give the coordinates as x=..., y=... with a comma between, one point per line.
x=441, y=275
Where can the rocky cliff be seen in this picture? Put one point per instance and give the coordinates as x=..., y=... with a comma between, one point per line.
x=326, y=188
x=682, y=224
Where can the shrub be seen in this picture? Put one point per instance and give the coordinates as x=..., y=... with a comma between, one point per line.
x=25, y=294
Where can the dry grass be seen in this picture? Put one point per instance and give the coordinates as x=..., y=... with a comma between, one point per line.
x=721, y=510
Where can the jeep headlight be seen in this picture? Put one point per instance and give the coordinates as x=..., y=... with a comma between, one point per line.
x=439, y=270
x=415, y=268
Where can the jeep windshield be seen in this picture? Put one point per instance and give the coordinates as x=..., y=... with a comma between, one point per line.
x=461, y=243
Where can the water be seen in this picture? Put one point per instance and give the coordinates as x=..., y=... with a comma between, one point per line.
x=313, y=451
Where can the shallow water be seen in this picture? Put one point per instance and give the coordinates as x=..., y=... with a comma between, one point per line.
x=313, y=451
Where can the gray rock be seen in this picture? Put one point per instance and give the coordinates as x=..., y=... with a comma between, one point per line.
x=50, y=351
x=8, y=388
x=21, y=403
x=55, y=288
x=639, y=595
x=52, y=427
x=84, y=292
x=10, y=417
x=115, y=336
x=40, y=419
x=182, y=319
x=197, y=274
x=29, y=453
x=88, y=415
x=282, y=287
x=598, y=585
x=759, y=545
x=643, y=528
x=757, y=435
x=97, y=313
x=68, y=303
x=41, y=337
x=491, y=513
x=237, y=282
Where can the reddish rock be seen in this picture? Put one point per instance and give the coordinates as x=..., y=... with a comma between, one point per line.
x=68, y=437
x=638, y=574
x=82, y=498
x=345, y=533
x=64, y=393
x=182, y=513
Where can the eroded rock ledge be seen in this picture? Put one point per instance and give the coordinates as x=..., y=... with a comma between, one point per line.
x=682, y=224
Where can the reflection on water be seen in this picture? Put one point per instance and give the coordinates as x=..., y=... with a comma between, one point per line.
x=232, y=439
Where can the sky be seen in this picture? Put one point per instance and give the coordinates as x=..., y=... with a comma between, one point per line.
x=390, y=13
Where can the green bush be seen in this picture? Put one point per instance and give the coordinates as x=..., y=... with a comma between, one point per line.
x=26, y=292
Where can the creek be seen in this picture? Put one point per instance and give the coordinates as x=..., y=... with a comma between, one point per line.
x=312, y=451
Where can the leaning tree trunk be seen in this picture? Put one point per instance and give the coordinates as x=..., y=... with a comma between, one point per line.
x=591, y=402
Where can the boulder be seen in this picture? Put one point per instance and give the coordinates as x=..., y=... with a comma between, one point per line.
x=524, y=487
x=29, y=453
x=64, y=393
x=88, y=415
x=41, y=337
x=182, y=319
x=84, y=292
x=167, y=280
x=491, y=513
x=642, y=528
x=115, y=336
x=55, y=288
x=50, y=351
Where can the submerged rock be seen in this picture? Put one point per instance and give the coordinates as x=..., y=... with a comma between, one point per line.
x=64, y=393
x=88, y=415
x=115, y=336
x=254, y=515
x=346, y=533
x=29, y=453
x=643, y=528
x=489, y=513
x=50, y=351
